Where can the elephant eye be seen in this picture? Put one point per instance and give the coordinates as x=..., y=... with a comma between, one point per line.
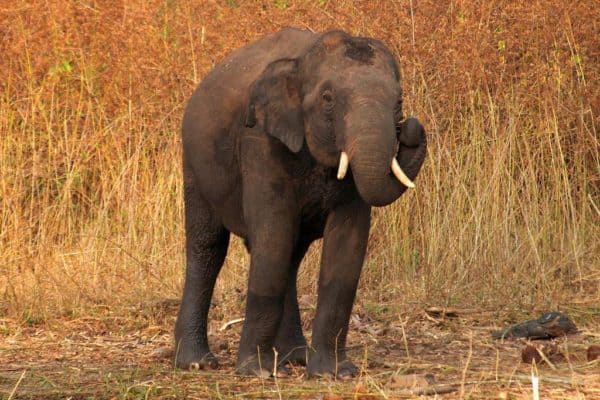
x=327, y=96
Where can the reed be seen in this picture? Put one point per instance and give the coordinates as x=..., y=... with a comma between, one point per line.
x=506, y=210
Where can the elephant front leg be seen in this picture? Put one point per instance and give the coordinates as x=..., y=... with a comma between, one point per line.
x=344, y=247
x=271, y=252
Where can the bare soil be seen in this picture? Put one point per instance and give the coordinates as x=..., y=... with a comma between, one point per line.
x=108, y=356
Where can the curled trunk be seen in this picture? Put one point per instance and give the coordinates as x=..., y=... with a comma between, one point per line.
x=371, y=161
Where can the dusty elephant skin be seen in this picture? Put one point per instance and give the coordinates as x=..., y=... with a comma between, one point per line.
x=262, y=139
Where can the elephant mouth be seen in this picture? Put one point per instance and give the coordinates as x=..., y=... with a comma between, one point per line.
x=394, y=166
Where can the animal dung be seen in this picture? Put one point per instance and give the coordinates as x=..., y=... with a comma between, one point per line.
x=530, y=354
x=593, y=352
x=541, y=353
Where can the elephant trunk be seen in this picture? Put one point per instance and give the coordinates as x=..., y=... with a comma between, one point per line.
x=385, y=159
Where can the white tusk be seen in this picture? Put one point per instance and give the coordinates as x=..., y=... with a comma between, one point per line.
x=343, y=168
x=401, y=175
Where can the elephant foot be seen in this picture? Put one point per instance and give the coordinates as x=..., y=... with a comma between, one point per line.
x=261, y=366
x=293, y=351
x=295, y=355
x=320, y=366
x=190, y=358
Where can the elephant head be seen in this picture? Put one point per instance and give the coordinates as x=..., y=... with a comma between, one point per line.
x=343, y=98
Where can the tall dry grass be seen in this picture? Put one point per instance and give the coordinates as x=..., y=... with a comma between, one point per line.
x=506, y=213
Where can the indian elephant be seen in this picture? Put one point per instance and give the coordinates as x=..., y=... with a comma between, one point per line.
x=289, y=139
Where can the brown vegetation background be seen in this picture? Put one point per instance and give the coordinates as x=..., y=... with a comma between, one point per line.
x=505, y=218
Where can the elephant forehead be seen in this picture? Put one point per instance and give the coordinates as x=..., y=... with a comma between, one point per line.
x=360, y=81
x=357, y=71
x=338, y=50
x=360, y=50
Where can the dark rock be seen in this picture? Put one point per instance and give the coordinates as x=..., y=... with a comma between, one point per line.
x=549, y=325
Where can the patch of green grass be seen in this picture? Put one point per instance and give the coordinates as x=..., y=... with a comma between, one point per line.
x=281, y=4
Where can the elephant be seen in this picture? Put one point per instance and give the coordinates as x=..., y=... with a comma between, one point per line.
x=291, y=138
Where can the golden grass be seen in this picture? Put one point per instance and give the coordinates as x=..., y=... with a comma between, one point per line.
x=505, y=217
x=506, y=211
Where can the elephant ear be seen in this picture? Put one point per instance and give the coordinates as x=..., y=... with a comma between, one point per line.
x=275, y=105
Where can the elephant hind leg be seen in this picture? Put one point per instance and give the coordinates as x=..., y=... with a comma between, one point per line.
x=290, y=341
x=206, y=246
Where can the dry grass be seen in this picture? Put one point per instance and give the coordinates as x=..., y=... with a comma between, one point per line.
x=108, y=356
x=506, y=217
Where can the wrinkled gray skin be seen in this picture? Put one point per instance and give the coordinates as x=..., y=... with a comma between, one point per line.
x=262, y=137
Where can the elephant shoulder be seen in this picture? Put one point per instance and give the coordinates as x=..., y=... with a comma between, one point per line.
x=251, y=59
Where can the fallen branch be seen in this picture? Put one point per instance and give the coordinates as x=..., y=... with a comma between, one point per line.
x=442, y=312
x=12, y=394
x=433, y=390
x=230, y=323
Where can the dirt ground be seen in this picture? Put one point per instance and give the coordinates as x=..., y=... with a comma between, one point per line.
x=109, y=356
